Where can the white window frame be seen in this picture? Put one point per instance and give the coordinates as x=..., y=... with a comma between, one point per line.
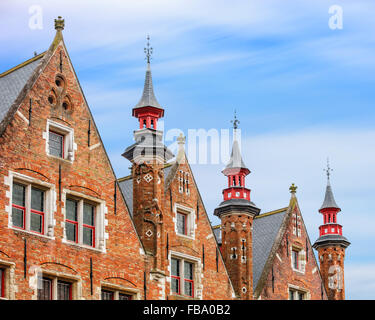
x=296, y=289
x=190, y=220
x=9, y=268
x=100, y=222
x=117, y=289
x=67, y=133
x=49, y=203
x=75, y=281
x=197, y=273
x=301, y=259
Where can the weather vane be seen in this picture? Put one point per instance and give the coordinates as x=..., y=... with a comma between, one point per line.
x=148, y=50
x=235, y=121
x=328, y=169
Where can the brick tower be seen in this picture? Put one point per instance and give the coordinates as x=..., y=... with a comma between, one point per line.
x=331, y=246
x=237, y=213
x=148, y=156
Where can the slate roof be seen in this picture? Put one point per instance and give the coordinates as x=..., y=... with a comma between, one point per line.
x=11, y=84
x=126, y=186
x=331, y=239
x=235, y=158
x=265, y=229
x=329, y=200
x=148, y=97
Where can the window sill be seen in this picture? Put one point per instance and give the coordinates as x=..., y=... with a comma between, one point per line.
x=299, y=271
x=58, y=158
x=32, y=233
x=185, y=236
x=82, y=246
x=175, y=296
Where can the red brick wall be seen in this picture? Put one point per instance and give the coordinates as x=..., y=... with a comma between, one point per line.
x=235, y=228
x=22, y=150
x=215, y=282
x=330, y=258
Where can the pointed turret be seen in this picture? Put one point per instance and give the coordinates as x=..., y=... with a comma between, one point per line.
x=329, y=200
x=148, y=156
x=237, y=213
x=148, y=98
x=331, y=245
x=148, y=109
x=148, y=145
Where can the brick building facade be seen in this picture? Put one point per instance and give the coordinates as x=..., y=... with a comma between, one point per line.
x=69, y=229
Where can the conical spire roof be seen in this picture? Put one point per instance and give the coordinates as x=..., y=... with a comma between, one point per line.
x=148, y=97
x=235, y=158
x=329, y=200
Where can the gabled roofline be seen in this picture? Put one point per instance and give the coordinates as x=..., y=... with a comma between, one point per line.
x=266, y=214
x=44, y=59
x=53, y=46
x=276, y=244
x=272, y=255
x=25, y=63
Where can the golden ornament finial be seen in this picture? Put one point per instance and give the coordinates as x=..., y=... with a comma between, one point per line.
x=181, y=139
x=59, y=23
x=293, y=189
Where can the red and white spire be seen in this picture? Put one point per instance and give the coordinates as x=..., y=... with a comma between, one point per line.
x=236, y=171
x=148, y=109
x=329, y=210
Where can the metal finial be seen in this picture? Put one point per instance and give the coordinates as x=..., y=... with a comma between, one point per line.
x=293, y=188
x=59, y=23
x=148, y=50
x=181, y=139
x=328, y=169
x=235, y=121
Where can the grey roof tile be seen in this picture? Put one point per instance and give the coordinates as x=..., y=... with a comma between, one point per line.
x=265, y=230
x=217, y=233
x=12, y=84
x=329, y=200
x=148, y=97
x=235, y=158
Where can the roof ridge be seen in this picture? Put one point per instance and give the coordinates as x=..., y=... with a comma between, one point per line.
x=266, y=214
x=22, y=64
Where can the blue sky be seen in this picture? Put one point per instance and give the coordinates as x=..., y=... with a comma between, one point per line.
x=303, y=92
